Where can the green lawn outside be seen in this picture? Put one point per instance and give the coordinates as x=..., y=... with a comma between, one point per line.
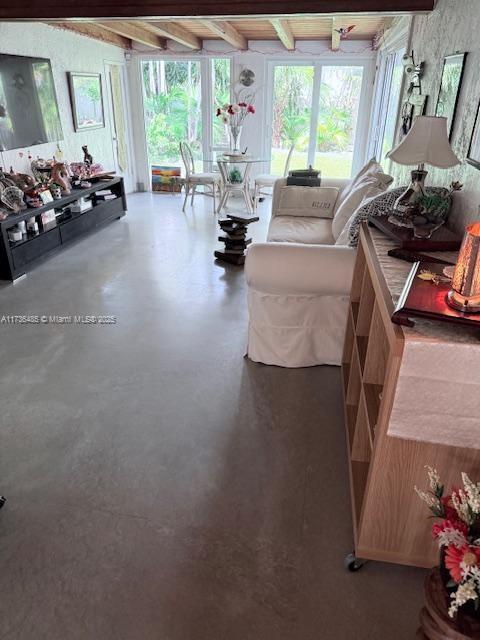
x=332, y=165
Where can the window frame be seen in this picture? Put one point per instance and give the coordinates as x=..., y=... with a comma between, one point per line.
x=396, y=43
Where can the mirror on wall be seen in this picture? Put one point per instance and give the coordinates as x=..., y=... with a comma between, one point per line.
x=28, y=103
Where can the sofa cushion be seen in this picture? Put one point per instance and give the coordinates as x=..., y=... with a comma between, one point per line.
x=371, y=167
x=315, y=202
x=302, y=230
x=368, y=186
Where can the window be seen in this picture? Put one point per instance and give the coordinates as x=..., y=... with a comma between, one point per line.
x=315, y=108
x=221, y=90
x=387, y=96
x=340, y=91
x=180, y=99
x=172, y=108
x=291, y=115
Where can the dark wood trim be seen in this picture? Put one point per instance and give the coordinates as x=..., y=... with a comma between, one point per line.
x=128, y=9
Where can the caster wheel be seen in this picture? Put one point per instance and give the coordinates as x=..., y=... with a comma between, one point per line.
x=352, y=563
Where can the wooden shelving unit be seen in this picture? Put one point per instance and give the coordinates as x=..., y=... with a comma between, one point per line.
x=389, y=521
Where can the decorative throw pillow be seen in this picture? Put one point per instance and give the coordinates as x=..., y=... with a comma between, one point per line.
x=367, y=186
x=307, y=202
x=372, y=167
x=377, y=206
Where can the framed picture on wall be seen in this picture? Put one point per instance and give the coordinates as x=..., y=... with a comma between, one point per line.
x=473, y=156
x=453, y=68
x=86, y=98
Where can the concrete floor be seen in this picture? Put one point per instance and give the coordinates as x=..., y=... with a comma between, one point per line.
x=161, y=487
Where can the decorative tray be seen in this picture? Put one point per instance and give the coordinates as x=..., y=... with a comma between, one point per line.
x=427, y=299
x=442, y=239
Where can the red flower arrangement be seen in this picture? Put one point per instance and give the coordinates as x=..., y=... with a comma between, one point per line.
x=457, y=558
x=458, y=534
x=234, y=114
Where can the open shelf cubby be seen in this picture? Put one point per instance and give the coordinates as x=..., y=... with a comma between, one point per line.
x=365, y=362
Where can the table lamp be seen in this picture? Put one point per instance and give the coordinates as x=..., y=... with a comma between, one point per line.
x=426, y=143
x=465, y=292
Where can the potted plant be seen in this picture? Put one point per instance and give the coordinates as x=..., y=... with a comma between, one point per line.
x=458, y=536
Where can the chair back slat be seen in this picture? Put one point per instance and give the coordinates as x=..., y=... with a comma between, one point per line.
x=288, y=161
x=187, y=158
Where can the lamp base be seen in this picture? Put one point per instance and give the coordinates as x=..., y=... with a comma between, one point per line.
x=406, y=207
x=462, y=303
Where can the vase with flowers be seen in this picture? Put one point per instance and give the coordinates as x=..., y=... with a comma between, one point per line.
x=458, y=536
x=233, y=116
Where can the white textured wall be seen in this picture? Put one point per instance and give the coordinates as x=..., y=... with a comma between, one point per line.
x=67, y=51
x=453, y=26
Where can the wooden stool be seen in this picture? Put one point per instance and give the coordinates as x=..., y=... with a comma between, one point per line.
x=435, y=623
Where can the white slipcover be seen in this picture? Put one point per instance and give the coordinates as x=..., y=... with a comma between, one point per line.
x=298, y=298
x=298, y=291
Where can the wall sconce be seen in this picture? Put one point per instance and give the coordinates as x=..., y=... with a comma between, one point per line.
x=465, y=292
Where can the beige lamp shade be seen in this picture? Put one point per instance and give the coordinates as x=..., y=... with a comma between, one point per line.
x=426, y=143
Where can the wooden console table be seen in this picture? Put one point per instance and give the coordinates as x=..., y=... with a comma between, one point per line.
x=411, y=399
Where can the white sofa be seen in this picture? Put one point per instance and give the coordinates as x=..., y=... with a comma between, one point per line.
x=299, y=282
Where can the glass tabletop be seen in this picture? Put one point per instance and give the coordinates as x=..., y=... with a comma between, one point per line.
x=239, y=159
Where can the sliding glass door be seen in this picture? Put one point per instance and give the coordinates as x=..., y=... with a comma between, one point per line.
x=178, y=98
x=291, y=115
x=315, y=108
x=172, y=108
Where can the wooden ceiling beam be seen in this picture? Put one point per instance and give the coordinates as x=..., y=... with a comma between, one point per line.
x=174, y=32
x=336, y=24
x=284, y=32
x=159, y=9
x=134, y=32
x=228, y=33
x=94, y=31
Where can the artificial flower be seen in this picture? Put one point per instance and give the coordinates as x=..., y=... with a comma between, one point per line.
x=473, y=493
x=219, y=112
x=458, y=525
x=448, y=508
x=462, y=507
x=251, y=108
x=429, y=498
x=242, y=104
x=456, y=559
x=450, y=532
x=465, y=592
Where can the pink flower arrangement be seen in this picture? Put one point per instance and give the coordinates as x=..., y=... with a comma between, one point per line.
x=458, y=534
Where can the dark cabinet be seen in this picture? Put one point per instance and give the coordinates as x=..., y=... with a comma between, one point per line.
x=16, y=258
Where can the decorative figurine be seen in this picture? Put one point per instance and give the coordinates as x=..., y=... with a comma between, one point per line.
x=56, y=191
x=60, y=177
x=87, y=157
